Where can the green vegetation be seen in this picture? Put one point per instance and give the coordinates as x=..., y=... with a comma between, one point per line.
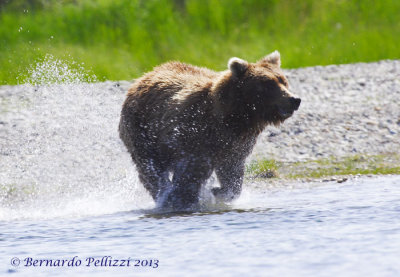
x=262, y=168
x=122, y=39
x=351, y=165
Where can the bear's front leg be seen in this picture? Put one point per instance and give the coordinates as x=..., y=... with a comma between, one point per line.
x=230, y=177
x=189, y=175
x=153, y=176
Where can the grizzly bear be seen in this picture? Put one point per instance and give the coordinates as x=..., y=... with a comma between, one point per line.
x=180, y=123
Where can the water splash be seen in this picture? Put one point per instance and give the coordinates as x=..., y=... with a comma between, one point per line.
x=55, y=71
x=62, y=155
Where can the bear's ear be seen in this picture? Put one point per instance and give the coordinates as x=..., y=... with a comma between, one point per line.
x=238, y=66
x=273, y=58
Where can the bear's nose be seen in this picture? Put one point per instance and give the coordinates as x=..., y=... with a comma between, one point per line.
x=295, y=102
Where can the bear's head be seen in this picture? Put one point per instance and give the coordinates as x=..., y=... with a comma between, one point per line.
x=258, y=92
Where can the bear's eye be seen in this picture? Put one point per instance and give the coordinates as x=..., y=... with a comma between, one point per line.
x=267, y=86
x=283, y=81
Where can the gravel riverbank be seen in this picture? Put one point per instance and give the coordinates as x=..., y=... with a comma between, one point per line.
x=70, y=130
x=345, y=109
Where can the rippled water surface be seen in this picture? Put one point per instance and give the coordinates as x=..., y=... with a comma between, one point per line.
x=68, y=191
x=350, y=229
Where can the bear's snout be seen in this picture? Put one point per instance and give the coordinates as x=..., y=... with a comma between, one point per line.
x=295, y=103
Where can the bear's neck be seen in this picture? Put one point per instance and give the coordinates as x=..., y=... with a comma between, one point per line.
x=243, y=124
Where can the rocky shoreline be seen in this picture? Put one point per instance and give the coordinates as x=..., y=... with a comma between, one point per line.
x=346, y=110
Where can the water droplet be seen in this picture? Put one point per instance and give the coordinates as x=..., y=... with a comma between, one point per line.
x=55, y=71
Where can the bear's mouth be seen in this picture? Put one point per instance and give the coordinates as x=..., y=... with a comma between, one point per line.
x=284, y=113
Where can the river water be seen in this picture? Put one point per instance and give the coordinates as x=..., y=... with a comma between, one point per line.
x=350, y=229
x=71, y=204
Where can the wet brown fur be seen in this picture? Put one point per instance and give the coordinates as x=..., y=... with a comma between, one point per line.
x=191, y=121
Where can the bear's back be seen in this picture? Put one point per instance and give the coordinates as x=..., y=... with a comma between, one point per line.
x=185, y=72
x=174, y=77
x=185, y=76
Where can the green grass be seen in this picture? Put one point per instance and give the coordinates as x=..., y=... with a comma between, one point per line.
x=262, y=168
x=334, y=166
x=122, y=39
